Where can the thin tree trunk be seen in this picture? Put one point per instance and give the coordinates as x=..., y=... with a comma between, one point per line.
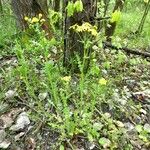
x=57, y=9
x=106, y=2
x=64, y=27
x=57, y=5
x=110, y=28
x=141, y=25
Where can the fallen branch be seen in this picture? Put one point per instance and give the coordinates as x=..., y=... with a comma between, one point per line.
x=127, y=50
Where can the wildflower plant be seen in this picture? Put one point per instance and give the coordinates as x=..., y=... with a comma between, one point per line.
x=35, y=25
x=34, y=20
x=86, y=28
x=87, y=34
x=71, y=100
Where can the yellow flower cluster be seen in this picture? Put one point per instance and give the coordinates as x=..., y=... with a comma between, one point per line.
x=66, y=78
x=35, y=19
x=146, y=1
x=102, y=81
x=85, y=27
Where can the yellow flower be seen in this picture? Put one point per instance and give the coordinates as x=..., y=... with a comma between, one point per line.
x=146, y=1
x=115, y=16
x=26, y=18
x=85, y=27
x=40, y=16
x=34, y=20
x=74, y=27
x=102, y=81
x=94, y=32
x=42, y=20
x=79, y=29
x=66, y=78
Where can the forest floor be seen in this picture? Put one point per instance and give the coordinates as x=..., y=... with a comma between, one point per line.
x=131, y=92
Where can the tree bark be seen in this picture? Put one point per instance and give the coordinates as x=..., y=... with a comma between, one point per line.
x=30, y=8
x=141, y=25
x=110, y=28
x=57, y=5
x=74, y=44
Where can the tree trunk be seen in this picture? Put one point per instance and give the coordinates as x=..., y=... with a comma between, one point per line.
x=106, y=5
x=57, y=9
x=110, y=28
x=57, y=5
x=141, y=25
x=74, y=44
x=30, y=8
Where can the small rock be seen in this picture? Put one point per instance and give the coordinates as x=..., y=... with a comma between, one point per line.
x=147, y=127
x=18, y=136
x=95, y=47
x=131, y=83
x=21, y=123
x=123, y=101
x=104, y=142
x=138, y=120
x=1, y=124
x=10, y=94
x=6, y=121
x=104, y=71
x=3, y=108
x=42, y=96
x=108, y=115
x=143, y=111
x=91, y=146
x=54, y=49
x=5, y=144
x=129, y=126
x=31, y=144
x=119, y=124
x=2, y=135
x=148, y=107
x=136, y=144
x=98, y=126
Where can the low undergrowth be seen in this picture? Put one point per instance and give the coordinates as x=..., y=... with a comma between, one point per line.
x=99, y=109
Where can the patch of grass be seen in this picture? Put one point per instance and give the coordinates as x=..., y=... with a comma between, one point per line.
x=129, y=24
x=7, y=29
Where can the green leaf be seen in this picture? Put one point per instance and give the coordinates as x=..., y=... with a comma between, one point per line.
x=70, y=9
x=119, y=124
x=61, y=147
x=98, y=126
x=95, y=70
x=78, y=5
x=104, y=142
x=147, y=128
x=116, y=15
x=139, y=128
x=121, y=57
x=107, y=64
x=90, y=137
x=144, y=138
